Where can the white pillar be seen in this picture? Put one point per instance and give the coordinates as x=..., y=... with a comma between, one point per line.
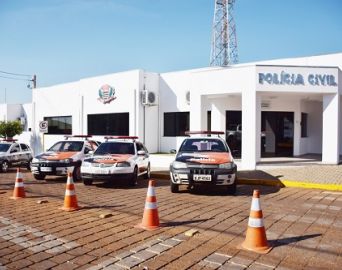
x=297, y=129
x=218, y=117
x=331, y=128
x=251, y=129
x=196, y=112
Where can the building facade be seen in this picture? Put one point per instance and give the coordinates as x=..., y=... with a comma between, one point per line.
x=286, y=107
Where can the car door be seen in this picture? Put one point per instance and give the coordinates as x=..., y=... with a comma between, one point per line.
x=142, y=159
x=25, y=155
x=14, y=154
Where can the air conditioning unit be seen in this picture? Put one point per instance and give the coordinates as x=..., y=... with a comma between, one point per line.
x=148, y=98
x=187, y=97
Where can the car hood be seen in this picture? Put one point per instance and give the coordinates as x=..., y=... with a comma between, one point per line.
x=109, y=159
x=205, y=157
x=54, y=156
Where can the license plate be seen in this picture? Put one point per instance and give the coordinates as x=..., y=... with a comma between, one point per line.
x=202, y=177
x=101, y=172
x=45, y=169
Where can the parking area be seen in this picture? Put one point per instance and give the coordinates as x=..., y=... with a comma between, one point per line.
x=304, y=226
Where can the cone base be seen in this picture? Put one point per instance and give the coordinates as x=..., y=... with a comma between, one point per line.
x=69, y=209
x=16, y=198
x=148, y=228
x=260, y=250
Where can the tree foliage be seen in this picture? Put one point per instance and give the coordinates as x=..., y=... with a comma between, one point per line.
x=10, y=128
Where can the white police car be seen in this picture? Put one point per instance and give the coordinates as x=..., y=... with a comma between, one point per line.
x=204, y=160
x=118, y=157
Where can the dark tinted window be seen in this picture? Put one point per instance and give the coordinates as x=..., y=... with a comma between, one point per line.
x=176, y=123
x=203, y=145
x=24, y=147
x=108, y=148
x=59, y=124
x=108, y=124
x=4, y=147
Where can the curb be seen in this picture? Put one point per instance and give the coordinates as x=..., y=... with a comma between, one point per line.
x=274, y=183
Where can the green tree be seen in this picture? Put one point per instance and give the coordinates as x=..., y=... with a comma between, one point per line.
x=10, y=129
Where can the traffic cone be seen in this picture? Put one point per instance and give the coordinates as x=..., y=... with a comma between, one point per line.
x=256, y=236
x=150, y=219
x=70, y=199
x=19, y=190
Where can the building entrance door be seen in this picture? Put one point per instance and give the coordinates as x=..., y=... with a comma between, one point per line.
x=277, y=134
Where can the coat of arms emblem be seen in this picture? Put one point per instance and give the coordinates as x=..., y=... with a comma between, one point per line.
x=106, y=94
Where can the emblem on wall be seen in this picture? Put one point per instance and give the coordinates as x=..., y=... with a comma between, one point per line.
x=106, y=94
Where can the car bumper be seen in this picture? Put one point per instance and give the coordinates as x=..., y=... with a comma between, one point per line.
x=218, y=177
x=106, y=173
x=52, y=169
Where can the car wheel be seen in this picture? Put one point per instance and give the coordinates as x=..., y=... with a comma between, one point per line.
x=231, y=189
x=174, y=188
x=28, y=165
x=4, y=166
x=134, y=178
x=76, y=174
x=87, y=182
x=147, y=175
x=39, y=176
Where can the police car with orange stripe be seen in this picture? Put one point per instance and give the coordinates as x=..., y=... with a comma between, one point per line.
x=204, y=160
x=118, y=157
x=63, y=157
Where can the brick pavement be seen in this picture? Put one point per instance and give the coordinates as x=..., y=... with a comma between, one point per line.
x=303, y=225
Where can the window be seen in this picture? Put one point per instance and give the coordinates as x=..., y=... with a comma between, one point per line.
x=108, y=124
x=176, y=123
x=15, y=148
x=304, y=125
x=59, y=124
x=24, y=147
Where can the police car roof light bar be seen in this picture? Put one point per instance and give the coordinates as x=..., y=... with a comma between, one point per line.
x=121, y=138
x=77, y=136
x=9, y=140
x=204, y=132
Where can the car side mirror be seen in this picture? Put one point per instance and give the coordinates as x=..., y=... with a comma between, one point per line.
x=173, y=151
x=141, y=153
x=90, y=153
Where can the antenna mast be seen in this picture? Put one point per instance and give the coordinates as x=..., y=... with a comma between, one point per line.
x=224, y=44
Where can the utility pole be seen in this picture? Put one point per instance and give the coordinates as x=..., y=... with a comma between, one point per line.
x=34, y=81
x=224, y=44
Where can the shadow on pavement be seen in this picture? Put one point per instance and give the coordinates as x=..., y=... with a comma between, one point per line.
x=180, y=223
x=289, y=240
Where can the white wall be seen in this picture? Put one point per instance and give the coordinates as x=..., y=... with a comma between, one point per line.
x=172, y=97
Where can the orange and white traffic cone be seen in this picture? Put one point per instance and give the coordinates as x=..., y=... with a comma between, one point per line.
x=256, y=236
x=19, y=190
x=70, y=199
x=150, y=219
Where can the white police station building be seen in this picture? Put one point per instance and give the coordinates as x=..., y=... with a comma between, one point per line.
x=286, y=107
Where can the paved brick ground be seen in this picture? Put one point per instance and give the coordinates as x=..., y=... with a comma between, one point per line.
x=304, y=226
x=320, y=174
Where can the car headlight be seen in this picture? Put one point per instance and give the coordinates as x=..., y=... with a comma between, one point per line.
x=179, y=165
x=67, y=160
x=229, y=165
x=123, y=164
x=35, y=160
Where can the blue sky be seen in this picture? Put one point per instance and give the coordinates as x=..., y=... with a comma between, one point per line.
x=66, y=40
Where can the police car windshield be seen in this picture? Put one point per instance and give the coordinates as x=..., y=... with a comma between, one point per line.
x=67, y=146
x=109, y=148
x=203, y=145
x=4, y=147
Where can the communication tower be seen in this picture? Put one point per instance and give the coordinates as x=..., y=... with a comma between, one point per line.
x=224, y=44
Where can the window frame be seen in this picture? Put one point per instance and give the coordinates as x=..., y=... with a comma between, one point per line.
x=175, y=117
x=66, y=131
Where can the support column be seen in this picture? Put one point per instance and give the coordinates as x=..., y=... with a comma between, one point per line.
x=331, y=128
x=297, y=129
x=218, y=117
x=251, y=129
x=196, y=113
